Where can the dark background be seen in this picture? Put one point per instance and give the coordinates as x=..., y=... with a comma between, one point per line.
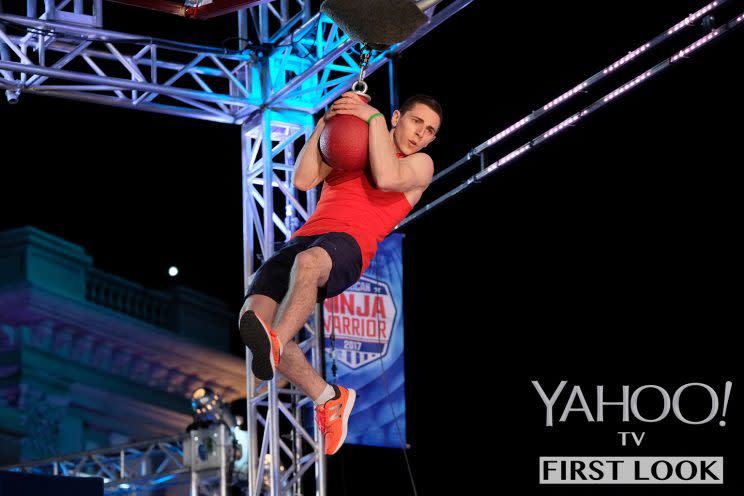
x=608, y=256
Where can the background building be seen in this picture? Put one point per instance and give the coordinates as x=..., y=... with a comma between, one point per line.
x=89, y=359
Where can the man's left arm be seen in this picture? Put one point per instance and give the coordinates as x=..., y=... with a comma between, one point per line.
x=392, y=173
x=389, y=172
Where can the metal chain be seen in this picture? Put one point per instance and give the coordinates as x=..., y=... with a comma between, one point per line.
x=366, y=52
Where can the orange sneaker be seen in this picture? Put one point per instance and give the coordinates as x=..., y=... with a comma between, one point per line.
x=264, y=344
x=333, y=418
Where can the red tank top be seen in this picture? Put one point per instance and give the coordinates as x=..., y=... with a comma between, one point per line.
x=349, y=203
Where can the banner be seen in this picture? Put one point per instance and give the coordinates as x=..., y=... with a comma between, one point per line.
x=364, y=334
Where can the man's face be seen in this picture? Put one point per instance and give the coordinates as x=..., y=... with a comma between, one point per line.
x=415, y=129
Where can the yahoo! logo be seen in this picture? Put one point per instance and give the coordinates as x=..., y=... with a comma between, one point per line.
x=629, y=404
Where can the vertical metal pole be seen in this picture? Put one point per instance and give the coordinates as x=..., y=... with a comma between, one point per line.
x=242, y=44
x=312, y=194
x=393, y=84
x=273, y=431
x=248, y=255
x=192, y=458
x=251, y=423
x=31, y=9
x=248, y=221
x=223, y=461
x=319, y=365
x=290, y=219
x=297, y=440
x=194, y=483
x=51, y=11
x=242, y=28
x=284, y=11
x=292, y=223
x=263, y=23
x=41, y=49
x=317, y=357
x=272, y=428
x=98, y=13
x=268, y=169
x=153, y=64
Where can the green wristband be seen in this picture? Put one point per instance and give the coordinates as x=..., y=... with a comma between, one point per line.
x=373, y=116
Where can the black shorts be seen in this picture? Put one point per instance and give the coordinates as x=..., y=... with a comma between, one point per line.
x=272, y=278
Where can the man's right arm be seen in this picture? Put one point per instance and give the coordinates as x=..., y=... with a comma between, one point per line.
x=310, y=170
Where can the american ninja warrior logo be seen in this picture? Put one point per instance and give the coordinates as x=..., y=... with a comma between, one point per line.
x=362, y=321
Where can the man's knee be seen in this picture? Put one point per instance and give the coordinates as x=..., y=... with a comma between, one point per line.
x=313, y=262
x=264, y=307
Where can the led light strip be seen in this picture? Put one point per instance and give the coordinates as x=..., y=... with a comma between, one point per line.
x=570, y=121
x=686, y=22
x=693, y=17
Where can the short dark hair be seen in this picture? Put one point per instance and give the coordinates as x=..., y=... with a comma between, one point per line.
x=425, y=100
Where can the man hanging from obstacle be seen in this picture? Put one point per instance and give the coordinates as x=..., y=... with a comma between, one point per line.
x=356, y=211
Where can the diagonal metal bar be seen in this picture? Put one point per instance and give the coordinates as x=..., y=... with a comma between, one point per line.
x=206, y=88
x=14, y=47
x=257, y=165
x=256, y=221
x=304, y=468
x=311, y=71
x=261, y=458
x=230, y=75
x=202, y=106
x=37, y=80
x=102, y=464
x=166, y=450
x=277, y=221
x=145, y=49
x=100, y=72
x=295, y=202
x=126, y=62
x=149, y=97
x=288, y=415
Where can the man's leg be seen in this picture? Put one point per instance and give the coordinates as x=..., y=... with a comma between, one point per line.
x=293, y=364
x=310, y=271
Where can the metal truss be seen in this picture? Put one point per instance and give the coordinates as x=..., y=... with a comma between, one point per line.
x=210, y=459
x=132, y=468
x=271, y=89
x=272, y=409
x=307, y=66
x=271, y=137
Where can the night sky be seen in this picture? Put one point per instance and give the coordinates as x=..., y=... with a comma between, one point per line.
x=609, y=254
